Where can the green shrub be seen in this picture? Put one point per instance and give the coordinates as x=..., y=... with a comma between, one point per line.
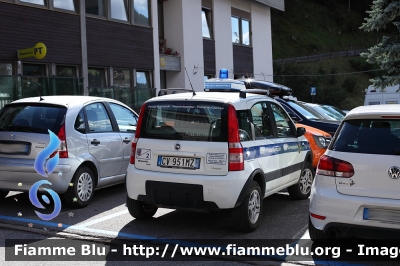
x=350, y=84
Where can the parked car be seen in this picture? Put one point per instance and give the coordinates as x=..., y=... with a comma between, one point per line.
x=319, y=141
x=95, y=135
x=325, y=112
x=216, y=150
x=306, y=116
x=297, y=111
x=356, y=191
x=340, y=112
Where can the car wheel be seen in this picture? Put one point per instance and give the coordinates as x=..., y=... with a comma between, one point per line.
x=3, y=194
x=302, y=189
x=140, y=210
x=315, y=234
x=81, y=192
x=248, y=215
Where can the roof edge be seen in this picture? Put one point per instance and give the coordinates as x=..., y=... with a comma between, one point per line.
x=277, y=4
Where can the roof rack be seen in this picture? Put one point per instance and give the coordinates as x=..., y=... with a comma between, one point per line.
x=274, y=88
x=242, y=93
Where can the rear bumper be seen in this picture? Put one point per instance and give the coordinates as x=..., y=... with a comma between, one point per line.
x=351, y=230
x=20, y=176
x=345, y=213
x=185, y=191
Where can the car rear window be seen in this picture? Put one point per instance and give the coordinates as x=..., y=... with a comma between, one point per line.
x=178, y=120
x=28, y=117
x=368, y=136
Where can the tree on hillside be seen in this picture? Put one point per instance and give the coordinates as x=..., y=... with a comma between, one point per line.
x=386, y=54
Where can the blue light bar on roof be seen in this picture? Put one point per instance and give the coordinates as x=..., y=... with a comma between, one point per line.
x=223, y=73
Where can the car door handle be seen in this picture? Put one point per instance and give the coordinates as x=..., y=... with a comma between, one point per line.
x=126, y=140
x=95, y=142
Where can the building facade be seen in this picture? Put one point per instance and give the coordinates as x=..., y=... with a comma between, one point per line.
x=130, y=49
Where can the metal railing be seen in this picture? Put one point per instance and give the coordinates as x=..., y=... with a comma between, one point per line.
x=133, y=97
x=319, y=57
x=17, y=87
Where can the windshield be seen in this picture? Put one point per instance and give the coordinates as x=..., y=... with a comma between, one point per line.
x=32, y=117
x=328, y=114
x=305, y=111
x=331, y=110
x=177, y=120
x=337, y=110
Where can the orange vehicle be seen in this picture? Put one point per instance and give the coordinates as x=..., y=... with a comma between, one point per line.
x=319, y=140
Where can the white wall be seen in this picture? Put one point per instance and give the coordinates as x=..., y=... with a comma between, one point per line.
x=223, y=36
x=154, y=23
x=262, y=41
x=187, y=39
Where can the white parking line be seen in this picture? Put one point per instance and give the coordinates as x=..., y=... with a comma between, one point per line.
x=102, y=219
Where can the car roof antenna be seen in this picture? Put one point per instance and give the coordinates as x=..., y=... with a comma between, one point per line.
x=190, y=82
x=40, y=96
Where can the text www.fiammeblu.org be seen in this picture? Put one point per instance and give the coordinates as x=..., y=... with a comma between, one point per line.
x=229, y=250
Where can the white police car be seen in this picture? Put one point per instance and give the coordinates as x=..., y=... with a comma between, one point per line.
x=216, y=150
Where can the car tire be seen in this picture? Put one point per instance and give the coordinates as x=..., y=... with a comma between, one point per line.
x=81, y=193
x=302, y=189
x=3, y=194
x=140, y=210
x=247, y=216
x=315, y=234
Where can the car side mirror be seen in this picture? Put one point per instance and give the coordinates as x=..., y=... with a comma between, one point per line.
x=300, y=131
x=294, y=117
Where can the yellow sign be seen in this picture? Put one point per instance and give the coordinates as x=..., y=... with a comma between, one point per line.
x=39, y=51
x=162, y=62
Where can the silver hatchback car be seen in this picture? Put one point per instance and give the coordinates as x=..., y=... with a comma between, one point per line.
x=94, y=135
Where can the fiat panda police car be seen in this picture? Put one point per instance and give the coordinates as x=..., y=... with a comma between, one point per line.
x=227, y=148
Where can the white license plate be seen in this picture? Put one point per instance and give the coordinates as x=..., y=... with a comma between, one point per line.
x=382, y=215
x=178, y=162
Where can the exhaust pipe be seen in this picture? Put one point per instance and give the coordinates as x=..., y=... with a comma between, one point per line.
x=333, y=233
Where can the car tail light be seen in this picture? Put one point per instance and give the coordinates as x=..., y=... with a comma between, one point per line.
x=330, y=166
x=316, y=216
x=235, y=157
x=137, y=135
x=62, y=149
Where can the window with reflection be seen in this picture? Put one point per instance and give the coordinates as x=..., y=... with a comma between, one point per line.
x=119, y=9
x=143, y=79
x=95, y=7
x=261, y=121
x=122, y=78
x=206, y=23
x=5, y=69
x=38, y=70
x=36, y=2
x=126, y=119
x=245, y=32
x=141, y=12
x=283, y=122
x=235, y=30
x=241, y=27
x=97, y=77
x=66, y=71
x=65, y=4
x=143, y=84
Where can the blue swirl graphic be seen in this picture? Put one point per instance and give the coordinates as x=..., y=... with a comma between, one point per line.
x=42, y=165
x=40, y=162
x=35, y=201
